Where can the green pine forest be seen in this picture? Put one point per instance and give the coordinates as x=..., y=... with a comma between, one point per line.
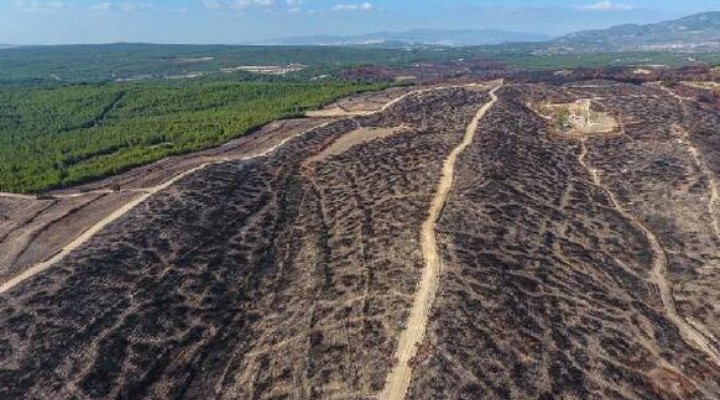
x=56, y=136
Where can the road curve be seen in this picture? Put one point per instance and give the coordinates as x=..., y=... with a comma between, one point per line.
x=398, y=380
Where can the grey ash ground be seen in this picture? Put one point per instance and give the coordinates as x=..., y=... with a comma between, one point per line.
x=548, y=288
x=268, y=278
x=291, y=276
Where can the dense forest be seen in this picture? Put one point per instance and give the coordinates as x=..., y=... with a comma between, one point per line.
x=62, y=135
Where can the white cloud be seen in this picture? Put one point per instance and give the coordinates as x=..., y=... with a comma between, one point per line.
x=105, y=6
x=238, y=4
x=127, y=7
x=242, y=4
x=132, y=7
x=366, y=6
x=607, y=6
x=38, y=6
x=212, y=4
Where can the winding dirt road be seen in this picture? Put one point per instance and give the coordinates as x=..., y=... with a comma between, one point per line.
x=398, y=380
x=92, y=231
x=690, y=334
x=713, y=196
x=148, y=192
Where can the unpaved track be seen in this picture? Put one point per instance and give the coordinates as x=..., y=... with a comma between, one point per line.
x=692, y=336
x=347, y=114
x=17, y=196
x=398, y=380
x=88, y=234
x=713, y=197
x=148, y=192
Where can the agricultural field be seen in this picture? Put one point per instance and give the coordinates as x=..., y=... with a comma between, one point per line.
x=444, y=241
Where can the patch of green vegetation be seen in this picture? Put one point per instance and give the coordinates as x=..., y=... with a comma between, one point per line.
x=62, y=135
x=561, y=118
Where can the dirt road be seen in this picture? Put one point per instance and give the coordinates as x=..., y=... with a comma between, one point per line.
x=16, y=196
x=340, y=113
x=88, y=234
x=713, y=196
x=399, y=379
x=690, y=334
x=92, y=231
x=148, y=192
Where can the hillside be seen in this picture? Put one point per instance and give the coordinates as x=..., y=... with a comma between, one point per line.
x=437, y=242
x=447, y=37
x=696, y=33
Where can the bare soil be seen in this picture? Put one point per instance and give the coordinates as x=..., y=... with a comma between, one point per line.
x=361, y=104
x=353, y=138
x=43, y=234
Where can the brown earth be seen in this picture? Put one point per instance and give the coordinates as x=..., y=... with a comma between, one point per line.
x=361, y=104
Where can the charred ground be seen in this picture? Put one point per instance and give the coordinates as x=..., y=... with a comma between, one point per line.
x=257, y=279
x=292, y=275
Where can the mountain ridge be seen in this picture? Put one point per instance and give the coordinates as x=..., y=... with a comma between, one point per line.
x=447, y=37
x=697, y=32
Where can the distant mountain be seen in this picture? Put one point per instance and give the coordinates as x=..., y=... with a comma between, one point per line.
x=447, y=37
x=6, y=46
x=699, y=32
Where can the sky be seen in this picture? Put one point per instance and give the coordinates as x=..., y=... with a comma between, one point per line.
x=250, y=21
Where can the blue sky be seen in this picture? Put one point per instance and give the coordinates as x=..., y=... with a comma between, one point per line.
x=238, y=21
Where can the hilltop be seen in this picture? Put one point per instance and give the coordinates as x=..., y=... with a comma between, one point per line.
x=699, y=32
